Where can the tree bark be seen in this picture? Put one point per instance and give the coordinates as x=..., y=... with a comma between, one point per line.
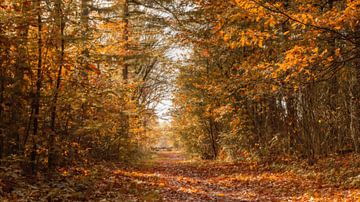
x=125, y=71
x=61, y=26
x=212, y=138
x=38, y=89
x=17, y=92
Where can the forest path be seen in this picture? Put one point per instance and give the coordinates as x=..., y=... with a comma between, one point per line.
x=170, y=176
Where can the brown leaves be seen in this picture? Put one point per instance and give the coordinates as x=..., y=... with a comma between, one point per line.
x=170, y=178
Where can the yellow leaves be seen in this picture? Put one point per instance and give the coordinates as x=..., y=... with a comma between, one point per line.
x=262, y=66
x=251, y=8
x=218, y=27
x=295, y=25
x=260, y=43
x=353, y=4
x=219, y=24
x=233, y=45
x=253, y=166
x=205, y=53
x=243, y=41
x=227, y=37
x=238, y=2
x=274, y=88
x=134, y=173
x=65, y=173
x=324, y=52
x=330, y=59
x=305, y=18
x=315, y=50
x=337, y=52
x=191, y=190
x=244, y=4
x=258, y=19
x=272, y=21
x=221, y=33
x=223, y=110
x=298, y=60
x=248, y=37
x=74, y=171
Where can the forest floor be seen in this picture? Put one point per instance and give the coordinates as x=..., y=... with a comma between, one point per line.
x=170, y=176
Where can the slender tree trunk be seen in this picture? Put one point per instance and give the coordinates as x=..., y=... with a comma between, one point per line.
x=333, y=94
x=126, y=39
x=2, y=89
x=85, y=12
x=291, y=126
x=125, y=72
x=353, y=108
x=28, y=128
x=212, y=138
x=354, y=88
x=17, y=92
x=58, y=83
x=38, y=89
x=5, y=50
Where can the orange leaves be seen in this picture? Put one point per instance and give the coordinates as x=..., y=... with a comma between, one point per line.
x=205, y=53
x=306, y=18
x=74, y=171
x=334, y=19
x=274, y=88
x=338, y=52
x=218, y=28
x=223, y=110
x=251, y=8
x=271, y=21
x=248, y=37
x=298, y=60
x=94, y=69
x=247, y=12
x=227, y=37
x=169, y=178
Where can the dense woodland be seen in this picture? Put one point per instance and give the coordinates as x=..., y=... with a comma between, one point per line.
x=81, y=82
x=270, y=78
x=77, y=80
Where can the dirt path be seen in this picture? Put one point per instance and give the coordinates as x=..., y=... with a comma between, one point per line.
x=171, y=177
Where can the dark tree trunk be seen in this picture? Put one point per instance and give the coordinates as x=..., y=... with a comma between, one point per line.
x=38, y=90
x=61, y=25
x=124, y=116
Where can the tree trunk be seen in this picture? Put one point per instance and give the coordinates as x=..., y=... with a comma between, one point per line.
x=61, y=25
x=126, y=38
x=354, y=88
x=18, y=95
x=38, y=89
x=2, y=90
x=85, y=54
x=353, y=109
x=125, y=71
x=212, y=137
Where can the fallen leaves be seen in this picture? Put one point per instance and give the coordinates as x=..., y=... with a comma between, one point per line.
x=179, y=180
x=171, y=177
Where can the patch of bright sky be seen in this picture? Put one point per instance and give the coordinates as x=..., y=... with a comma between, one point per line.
x=178, y=55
